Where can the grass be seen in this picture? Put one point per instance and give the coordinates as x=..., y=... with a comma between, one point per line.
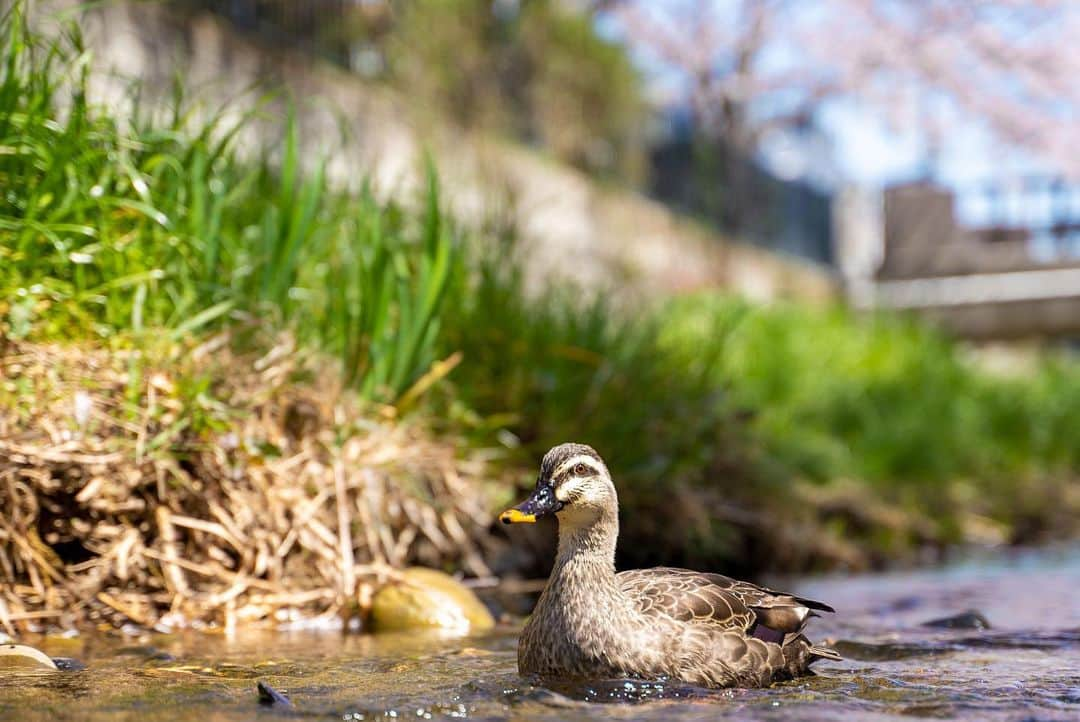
x=155, y=222
x=886, y=398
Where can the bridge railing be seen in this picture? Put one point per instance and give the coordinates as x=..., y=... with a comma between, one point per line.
x=1043, y=212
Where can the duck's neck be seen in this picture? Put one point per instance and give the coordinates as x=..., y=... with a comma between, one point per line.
x=587, y=552
x=580, y=620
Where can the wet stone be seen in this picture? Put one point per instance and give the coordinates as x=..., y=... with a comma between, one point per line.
x=270, y=696
x=428, y=599
x=68, y=664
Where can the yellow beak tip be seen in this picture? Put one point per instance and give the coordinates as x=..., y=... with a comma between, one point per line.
x=516, y=516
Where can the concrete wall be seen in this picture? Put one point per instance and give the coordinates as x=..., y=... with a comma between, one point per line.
x=572, y=227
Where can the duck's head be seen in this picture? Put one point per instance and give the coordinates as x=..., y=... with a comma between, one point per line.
x=574, y=483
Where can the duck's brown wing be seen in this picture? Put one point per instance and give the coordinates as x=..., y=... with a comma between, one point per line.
x=715, y=599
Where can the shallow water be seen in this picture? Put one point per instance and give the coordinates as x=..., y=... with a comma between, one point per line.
x=1027, y=667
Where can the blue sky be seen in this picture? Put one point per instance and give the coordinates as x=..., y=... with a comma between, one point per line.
x=867, y=151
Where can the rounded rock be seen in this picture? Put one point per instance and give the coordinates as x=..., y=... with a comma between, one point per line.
x=428, y=599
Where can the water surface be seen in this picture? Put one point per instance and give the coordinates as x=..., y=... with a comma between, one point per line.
x=1026, y=667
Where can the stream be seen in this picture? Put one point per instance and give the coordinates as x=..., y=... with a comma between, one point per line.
x=1026, y=666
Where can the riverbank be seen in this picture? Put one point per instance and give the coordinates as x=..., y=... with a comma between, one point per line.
x=161, y=483
x=174, y=483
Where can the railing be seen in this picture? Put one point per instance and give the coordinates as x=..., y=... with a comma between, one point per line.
x=991, y=261
x=1044, y=212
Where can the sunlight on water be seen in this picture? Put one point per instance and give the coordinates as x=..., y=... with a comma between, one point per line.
x=1027, y=666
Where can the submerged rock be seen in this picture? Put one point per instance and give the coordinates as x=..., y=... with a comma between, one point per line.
x=271, y=697
x=970, y=619
x=428, y=599
x=68, y=664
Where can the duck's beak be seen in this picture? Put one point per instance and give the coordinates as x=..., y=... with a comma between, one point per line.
x=517, y=516
x=541, y=503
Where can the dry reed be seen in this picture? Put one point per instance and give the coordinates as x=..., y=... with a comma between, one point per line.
x=196, y=486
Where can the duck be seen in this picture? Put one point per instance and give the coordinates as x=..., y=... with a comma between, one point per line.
x=592, y=622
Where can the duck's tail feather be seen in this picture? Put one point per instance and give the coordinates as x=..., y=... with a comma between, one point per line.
x=814, y=604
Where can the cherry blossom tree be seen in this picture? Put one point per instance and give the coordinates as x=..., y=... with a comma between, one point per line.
x=745, y=67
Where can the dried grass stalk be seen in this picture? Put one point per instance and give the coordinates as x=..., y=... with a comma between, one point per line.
x=193, y=486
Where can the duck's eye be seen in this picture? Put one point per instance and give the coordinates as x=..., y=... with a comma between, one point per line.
x=581, y=470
